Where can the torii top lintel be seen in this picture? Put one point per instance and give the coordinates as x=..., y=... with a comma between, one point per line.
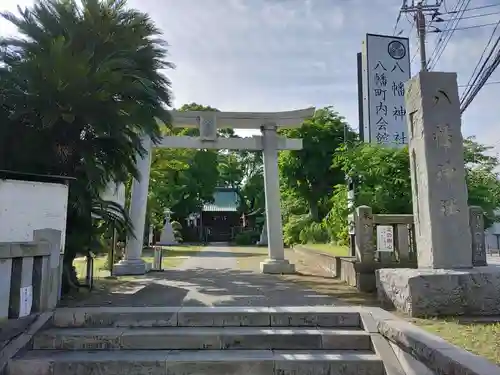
x=241, y=120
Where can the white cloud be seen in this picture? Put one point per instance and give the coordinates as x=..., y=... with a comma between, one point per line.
x=265, y=55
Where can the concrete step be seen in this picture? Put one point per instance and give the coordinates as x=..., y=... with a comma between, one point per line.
x=181, y=338
x=304, y=316
x=159, y=362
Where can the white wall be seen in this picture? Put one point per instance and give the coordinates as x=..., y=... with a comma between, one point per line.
x=26, y=206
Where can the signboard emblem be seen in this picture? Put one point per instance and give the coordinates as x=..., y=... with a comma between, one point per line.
x=396, y=50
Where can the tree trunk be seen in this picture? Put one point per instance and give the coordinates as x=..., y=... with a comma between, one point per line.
x=314, y=210
x=69, y=278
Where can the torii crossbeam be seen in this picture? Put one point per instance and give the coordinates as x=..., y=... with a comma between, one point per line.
x=208, y=123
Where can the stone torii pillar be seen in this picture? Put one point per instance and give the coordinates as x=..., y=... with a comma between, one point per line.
x=132, y=263
x=208, y=123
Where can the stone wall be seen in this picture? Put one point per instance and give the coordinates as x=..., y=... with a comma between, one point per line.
x=360, y=271
x=30, y=274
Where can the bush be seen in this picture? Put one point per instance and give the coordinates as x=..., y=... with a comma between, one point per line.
x=293, y=227
x=176, y=225
x=177, y=228
x=314, y=233
x=247, y=238
x=335, y=222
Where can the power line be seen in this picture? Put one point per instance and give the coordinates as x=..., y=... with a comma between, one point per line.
x=441, y=37
x=480, y=15
x=398, y=18
x=463, y=28
x=483, y=76
x=470, y=82
x=486, y=84
x=450, y=32
x=482, y=7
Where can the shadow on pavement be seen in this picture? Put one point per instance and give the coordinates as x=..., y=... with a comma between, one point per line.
x=218, y=287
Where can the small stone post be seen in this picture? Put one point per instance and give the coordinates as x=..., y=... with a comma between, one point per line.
x=476, y=223
x=365, y=247
x=51, y=290
x=437, y=169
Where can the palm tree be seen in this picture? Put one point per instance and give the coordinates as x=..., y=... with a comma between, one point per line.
x=78, y=89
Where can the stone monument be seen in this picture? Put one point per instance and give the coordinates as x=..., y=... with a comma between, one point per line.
x=445, y=282
x=167, y=235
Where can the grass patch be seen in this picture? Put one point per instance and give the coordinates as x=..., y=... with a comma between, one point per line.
x=479, y=338
x=342, y=251
x=172, y=257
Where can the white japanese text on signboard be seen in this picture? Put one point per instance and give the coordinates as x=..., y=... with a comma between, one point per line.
x=386, y=70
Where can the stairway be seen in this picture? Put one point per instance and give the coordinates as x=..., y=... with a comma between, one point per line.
x=205, y=340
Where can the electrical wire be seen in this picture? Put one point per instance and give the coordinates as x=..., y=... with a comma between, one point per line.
x=485, y=74
x=398, y=18
x=481, y=7
x=486, y=84
x=442, y=36
x=449, y=34
x=463, y=28
x=480, y=15
x=470, y=83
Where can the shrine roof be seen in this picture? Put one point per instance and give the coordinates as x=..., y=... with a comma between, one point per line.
x=225, y=200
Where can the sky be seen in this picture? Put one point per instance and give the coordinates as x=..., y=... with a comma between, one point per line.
x=274, y=55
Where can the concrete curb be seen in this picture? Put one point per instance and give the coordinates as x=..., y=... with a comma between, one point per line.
x=327, y=262
x=437, y=354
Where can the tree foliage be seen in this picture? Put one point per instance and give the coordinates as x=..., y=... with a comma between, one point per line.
x=182, y=179
x=382, y=181
x=309, y=171
x=78, y=89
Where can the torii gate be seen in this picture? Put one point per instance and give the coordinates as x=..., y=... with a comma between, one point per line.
x=208, y=122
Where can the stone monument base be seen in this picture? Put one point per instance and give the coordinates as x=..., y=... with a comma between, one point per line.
x=131, y=267
x=273, y=266
x=440, y=292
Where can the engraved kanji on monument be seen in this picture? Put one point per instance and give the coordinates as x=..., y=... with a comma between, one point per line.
x=439, y=189
x=476, y=220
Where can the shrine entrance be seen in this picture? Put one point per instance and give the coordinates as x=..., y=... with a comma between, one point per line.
x=220, y=218
x=208, y=123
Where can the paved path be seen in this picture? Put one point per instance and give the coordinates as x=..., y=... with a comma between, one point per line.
x=493, y=259
x=209, y=278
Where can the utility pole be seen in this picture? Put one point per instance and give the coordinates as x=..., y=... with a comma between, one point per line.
x=419, y=11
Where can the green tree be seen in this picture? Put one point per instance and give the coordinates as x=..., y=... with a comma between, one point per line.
x=182, y=179
x=78, y=89
x=381, y=176
x=310, y=171
x=382, y=180
x=230, y=170
x=252, y=190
